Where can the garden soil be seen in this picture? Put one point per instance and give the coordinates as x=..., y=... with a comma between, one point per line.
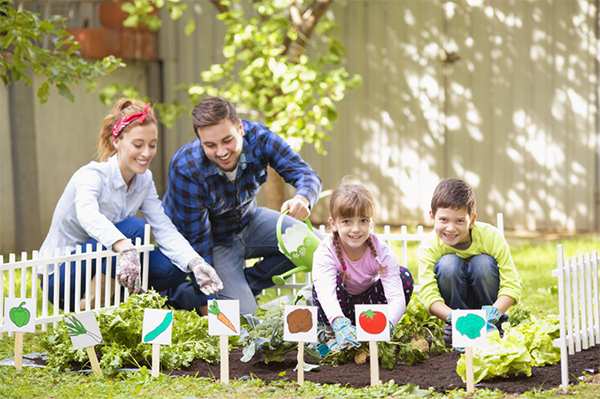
x=439, y=372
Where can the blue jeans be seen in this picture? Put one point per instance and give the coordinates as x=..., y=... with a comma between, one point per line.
x=468, y=285
x=163, y=274
x=258, y=239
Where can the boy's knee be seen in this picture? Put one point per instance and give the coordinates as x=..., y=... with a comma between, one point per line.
x=483, y=263
x=450, y=264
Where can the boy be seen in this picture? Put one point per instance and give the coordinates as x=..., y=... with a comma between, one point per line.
x=465, y=264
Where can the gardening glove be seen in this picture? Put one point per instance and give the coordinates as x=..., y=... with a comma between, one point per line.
x=492, y=315
x=128, y=270
x=206, y=276
x=345, y=333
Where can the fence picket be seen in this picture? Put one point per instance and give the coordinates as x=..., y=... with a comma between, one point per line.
x=588, y=301
x=595, y=296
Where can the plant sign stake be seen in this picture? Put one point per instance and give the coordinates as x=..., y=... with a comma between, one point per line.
x=18, y=318
x=372, y=325
x=468, y=331
x=85, y=333
x=157, y=330
x=224, y=320
x=300, y=325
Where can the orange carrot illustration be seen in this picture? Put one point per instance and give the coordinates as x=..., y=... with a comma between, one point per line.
x=214, y=309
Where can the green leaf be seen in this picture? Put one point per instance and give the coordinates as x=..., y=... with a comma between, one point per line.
x=190, y=27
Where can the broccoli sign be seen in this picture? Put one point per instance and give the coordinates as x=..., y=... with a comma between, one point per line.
x=469, y=328
x=470, y=325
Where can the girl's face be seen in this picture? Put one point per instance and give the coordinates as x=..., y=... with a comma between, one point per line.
x=354, y=232
x=135, y=150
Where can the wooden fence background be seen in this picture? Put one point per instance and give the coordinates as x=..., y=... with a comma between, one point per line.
x=515, y=115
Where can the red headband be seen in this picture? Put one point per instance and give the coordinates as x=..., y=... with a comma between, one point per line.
x=123, y=122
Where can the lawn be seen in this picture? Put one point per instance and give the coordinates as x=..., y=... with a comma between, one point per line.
x=534, y=258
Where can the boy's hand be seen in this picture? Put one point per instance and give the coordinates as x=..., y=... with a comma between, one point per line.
x=345, y=333
x=492, y=314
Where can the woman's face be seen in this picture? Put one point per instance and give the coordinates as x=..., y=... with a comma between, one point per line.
x=135, y=149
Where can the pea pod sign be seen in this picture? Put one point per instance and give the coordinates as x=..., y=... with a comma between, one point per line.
x=157, y=327
x=20, y=314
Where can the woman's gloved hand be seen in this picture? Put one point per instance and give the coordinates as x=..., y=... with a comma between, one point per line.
x=129, y=269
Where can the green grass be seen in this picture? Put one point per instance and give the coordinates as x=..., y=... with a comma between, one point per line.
x=534, y=258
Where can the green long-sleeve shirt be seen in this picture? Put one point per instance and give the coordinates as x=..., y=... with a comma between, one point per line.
x=485, y=240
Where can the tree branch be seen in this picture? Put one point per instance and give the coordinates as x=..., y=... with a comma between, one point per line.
x=220, y=7
x=310, y=18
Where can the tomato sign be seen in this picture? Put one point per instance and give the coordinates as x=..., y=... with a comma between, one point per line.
x=373, y=322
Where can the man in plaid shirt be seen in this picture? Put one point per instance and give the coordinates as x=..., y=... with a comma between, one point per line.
x=211, y=197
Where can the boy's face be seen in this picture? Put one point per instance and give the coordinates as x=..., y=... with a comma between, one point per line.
x=453, y=226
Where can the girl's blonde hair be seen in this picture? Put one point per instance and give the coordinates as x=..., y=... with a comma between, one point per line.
x=350, y=198
x=121, y=109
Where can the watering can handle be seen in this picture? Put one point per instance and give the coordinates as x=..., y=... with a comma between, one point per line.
x=279, y=238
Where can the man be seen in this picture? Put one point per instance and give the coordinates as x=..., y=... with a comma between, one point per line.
x=211, y=197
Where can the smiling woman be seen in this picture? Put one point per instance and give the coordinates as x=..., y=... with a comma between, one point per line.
x=99, y=206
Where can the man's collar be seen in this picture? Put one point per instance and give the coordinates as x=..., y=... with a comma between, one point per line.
x=241, y=164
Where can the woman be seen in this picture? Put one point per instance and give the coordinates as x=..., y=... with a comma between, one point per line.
x=101, y=200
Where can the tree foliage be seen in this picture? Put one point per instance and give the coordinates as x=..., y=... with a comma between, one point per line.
x=267, y=72
x=21, y=36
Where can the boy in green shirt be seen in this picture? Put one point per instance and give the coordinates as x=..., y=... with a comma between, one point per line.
x=465, y=264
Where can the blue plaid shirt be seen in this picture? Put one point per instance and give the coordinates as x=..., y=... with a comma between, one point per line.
x=208, y=209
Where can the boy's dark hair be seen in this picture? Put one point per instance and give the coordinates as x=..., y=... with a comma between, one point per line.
x=454, y=194
x=212, y=111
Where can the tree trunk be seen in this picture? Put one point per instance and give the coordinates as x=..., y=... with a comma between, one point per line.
x=274, y=190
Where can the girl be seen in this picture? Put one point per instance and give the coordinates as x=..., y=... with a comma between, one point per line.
x=352, y=266
x=101, y=200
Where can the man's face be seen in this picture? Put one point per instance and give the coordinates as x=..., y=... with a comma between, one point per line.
x=453, y=226
x=223, y=143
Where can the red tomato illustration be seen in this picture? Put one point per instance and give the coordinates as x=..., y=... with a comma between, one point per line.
x=372, y=322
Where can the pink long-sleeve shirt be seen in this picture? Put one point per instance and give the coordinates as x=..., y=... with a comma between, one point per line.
x=364, y=274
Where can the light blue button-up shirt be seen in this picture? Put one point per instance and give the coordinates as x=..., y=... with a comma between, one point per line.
x=96, y=198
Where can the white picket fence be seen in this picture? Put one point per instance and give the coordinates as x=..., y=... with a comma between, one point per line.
x=29, y=272
x=578, y=306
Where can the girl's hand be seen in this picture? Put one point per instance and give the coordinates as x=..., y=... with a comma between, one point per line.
x=207, y=278
x=128, y=270
x=345, y=333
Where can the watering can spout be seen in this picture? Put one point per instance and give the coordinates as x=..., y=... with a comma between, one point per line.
x=298, y=244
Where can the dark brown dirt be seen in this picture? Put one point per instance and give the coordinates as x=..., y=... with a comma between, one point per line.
x=438, y=372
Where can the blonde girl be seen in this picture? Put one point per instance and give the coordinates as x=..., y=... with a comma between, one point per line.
x=352, y=266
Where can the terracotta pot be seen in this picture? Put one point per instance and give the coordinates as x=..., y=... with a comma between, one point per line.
x=111, y=15
x=92, y=41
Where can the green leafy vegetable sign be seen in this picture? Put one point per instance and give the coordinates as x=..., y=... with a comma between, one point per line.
x=83, y=330
x=19, y=315
x=469, y=328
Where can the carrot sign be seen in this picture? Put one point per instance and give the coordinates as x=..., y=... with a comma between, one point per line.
x=214, y=309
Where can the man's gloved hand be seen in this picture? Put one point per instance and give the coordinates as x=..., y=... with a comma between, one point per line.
x=492, y=315
x=128, y=270
x=206, y=276
x=345, y=333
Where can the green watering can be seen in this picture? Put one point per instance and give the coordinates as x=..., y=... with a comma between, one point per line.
x=298, y=243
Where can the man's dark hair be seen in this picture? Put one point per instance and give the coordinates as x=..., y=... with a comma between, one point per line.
x=212, y=111
x=454, y=194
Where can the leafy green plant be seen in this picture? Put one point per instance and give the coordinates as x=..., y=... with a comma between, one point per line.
x=121, y=329
x=264, y=338
x=22, y=34
x=523, y=346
